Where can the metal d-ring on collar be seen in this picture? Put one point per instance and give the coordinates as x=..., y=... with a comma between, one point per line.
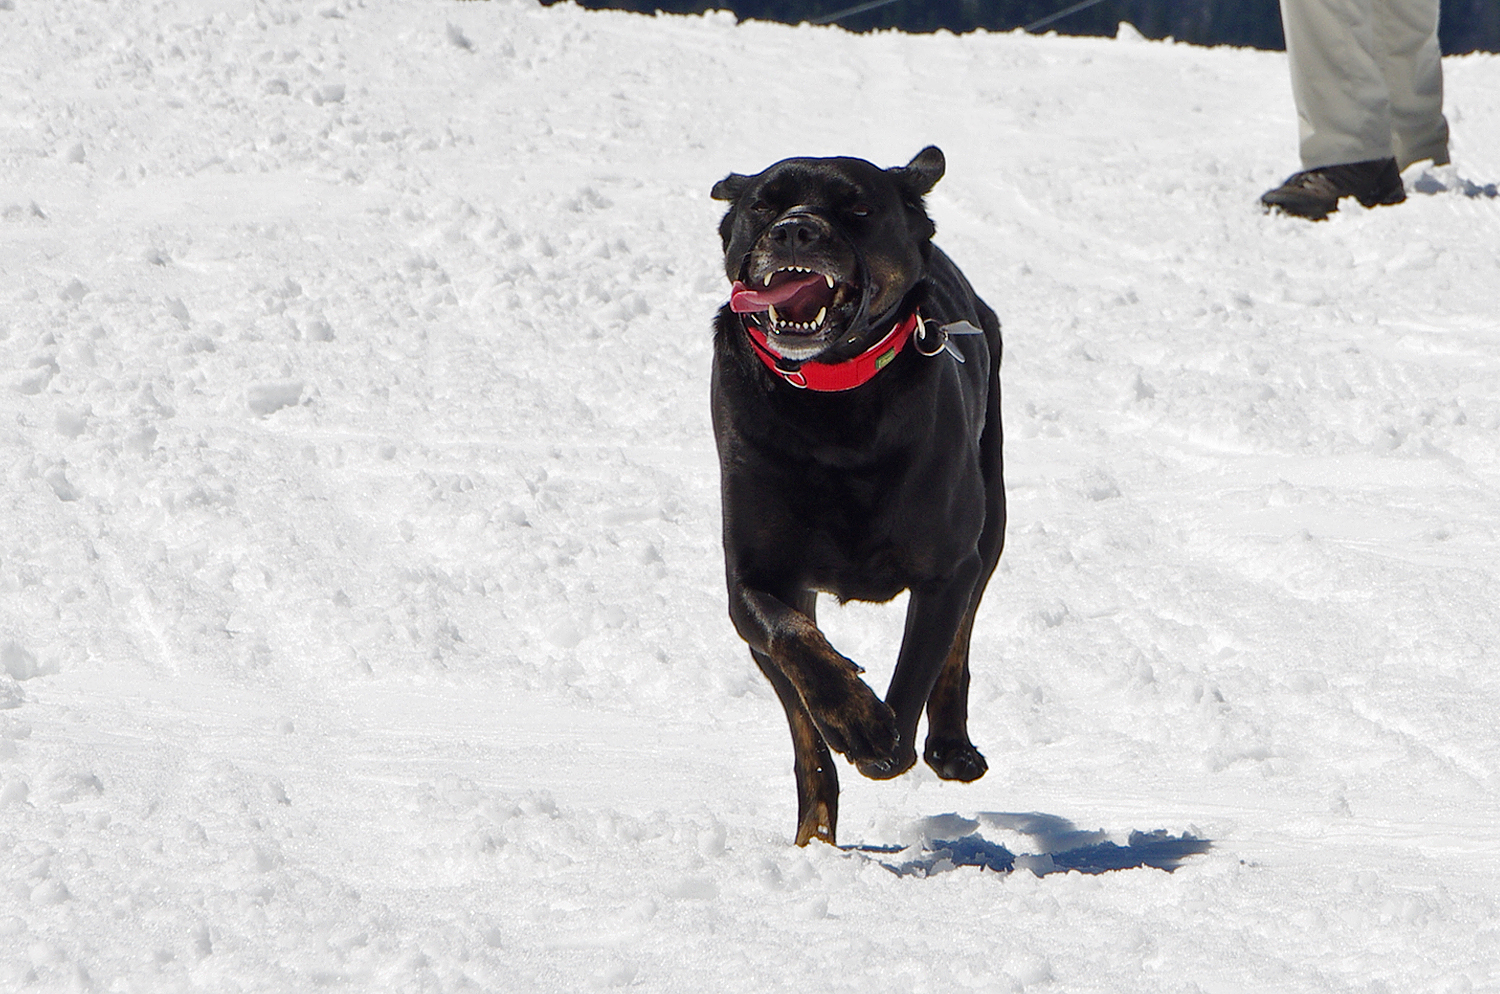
x=929, y=342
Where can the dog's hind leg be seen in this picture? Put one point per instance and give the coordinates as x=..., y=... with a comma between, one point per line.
x=817, y=779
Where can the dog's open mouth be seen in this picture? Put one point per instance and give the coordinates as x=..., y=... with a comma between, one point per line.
x=795, y=300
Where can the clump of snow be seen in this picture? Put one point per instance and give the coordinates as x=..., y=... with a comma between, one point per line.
x=361, y=612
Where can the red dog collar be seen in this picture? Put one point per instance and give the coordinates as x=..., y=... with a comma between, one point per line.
x=825, y=377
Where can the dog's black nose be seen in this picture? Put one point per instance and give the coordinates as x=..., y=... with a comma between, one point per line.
x=799, y=231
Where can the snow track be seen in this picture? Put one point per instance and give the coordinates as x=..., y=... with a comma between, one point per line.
x=361, y=612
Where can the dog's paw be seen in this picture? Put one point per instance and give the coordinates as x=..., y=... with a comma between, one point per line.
x=890, y=767
x=863, y=729
x=954, y=760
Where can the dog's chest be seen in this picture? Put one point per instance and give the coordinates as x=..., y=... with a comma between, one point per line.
x=852, y=533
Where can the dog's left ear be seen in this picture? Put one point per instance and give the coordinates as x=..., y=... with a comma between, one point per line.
x=731, y=186
x=921, y=174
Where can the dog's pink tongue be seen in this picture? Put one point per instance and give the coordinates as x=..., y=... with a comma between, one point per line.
x=748, y=300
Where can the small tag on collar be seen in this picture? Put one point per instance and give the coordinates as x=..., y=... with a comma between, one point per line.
x=962, y=328
x=931, y=338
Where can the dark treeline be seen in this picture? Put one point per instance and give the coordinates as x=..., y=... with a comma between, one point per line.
x=1467, y=25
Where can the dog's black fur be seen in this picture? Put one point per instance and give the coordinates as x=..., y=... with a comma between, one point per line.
x=893, y=485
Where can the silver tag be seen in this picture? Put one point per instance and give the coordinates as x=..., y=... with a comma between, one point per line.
x=962, y=328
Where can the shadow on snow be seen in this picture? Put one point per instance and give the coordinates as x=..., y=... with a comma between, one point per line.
x=1429, y=183
x=946, y=842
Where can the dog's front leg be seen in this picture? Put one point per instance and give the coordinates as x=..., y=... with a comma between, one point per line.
x=934, y=615
x=949, y=752
x=845, y=711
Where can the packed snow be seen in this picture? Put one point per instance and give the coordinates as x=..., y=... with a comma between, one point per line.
x=362, y=619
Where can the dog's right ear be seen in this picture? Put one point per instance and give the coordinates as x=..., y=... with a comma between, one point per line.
x=730, y=187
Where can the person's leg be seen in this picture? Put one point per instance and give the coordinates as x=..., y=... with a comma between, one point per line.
x=1334, y=49
x=1343, y=106
x=1411, y=63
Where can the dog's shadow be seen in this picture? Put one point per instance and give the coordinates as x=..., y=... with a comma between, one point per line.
x=946, y=842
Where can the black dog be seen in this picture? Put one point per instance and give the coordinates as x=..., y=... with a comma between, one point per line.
x=856, y=407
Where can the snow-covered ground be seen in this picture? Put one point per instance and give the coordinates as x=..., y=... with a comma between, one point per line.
x=361, y=608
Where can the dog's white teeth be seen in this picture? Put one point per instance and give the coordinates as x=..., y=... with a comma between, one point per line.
x=829, y=280
x=775, y=318
x=818, y=321
x=767, y=280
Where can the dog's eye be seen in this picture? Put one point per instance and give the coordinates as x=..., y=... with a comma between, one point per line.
x=860, y=209
x=760, y=207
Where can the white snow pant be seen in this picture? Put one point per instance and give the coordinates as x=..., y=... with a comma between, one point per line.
x=1367, y=78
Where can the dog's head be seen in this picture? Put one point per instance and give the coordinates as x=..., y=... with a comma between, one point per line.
x=823, y=252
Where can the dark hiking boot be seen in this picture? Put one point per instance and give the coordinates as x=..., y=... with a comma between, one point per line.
x=1315, y=193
